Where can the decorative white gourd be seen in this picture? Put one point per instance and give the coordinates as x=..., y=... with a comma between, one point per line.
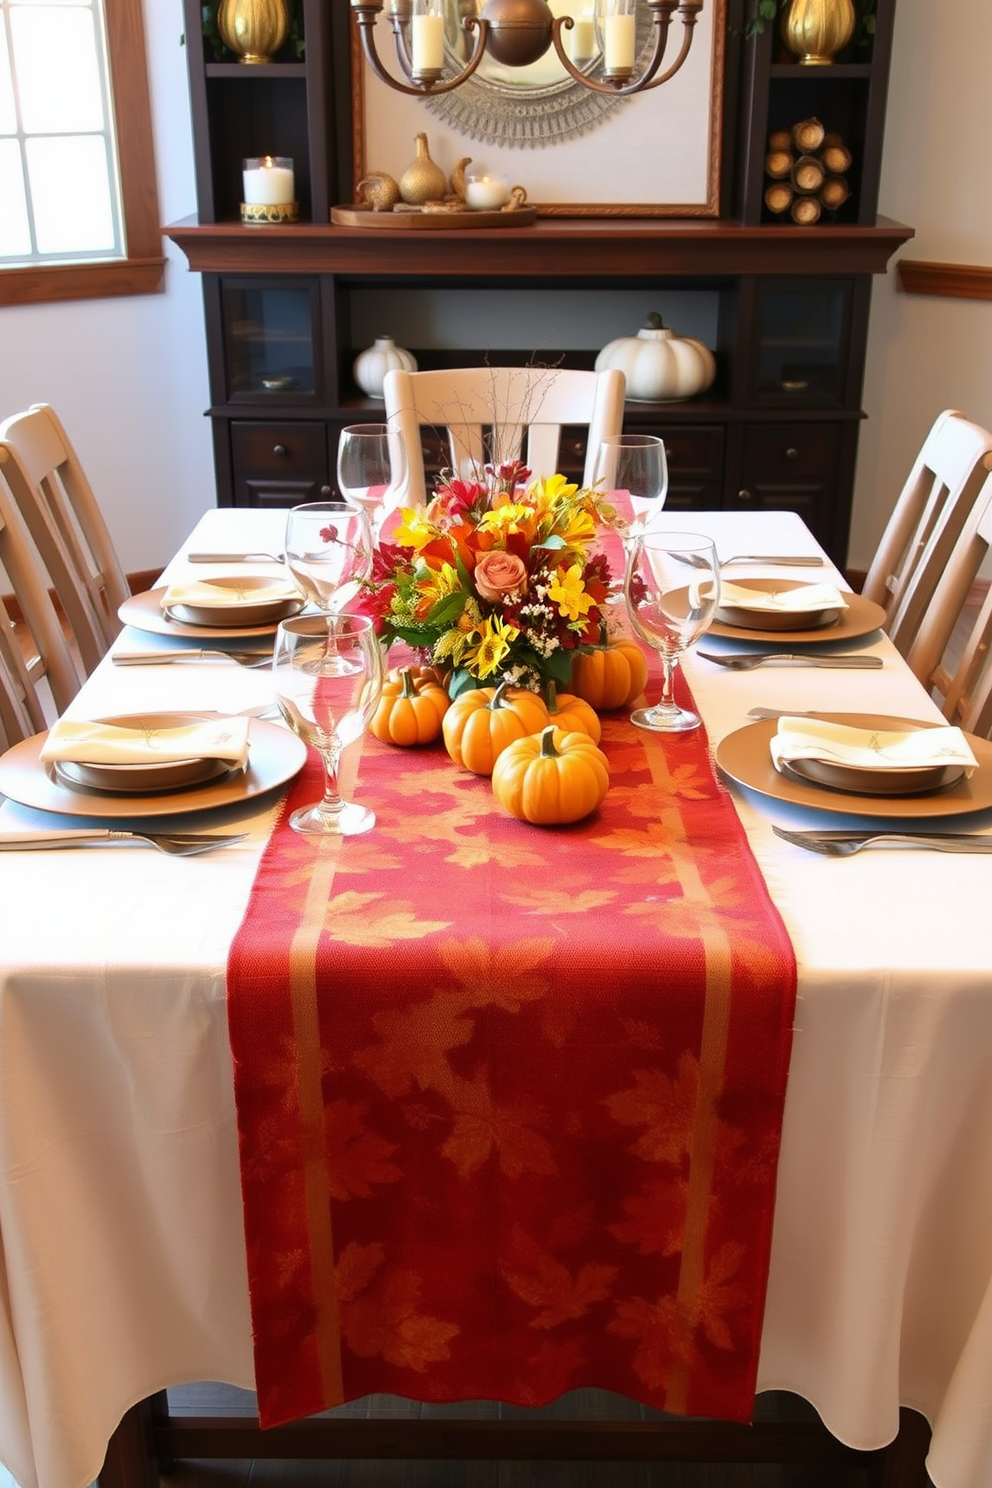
x=371, y=365
x=660, y=367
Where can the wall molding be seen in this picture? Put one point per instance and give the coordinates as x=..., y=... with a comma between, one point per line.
x=947, y=281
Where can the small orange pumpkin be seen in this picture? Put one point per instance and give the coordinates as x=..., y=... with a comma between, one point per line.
x=612, y=676
x=551, y=778
x=481, y=722
x=410, y=710
x=572, y=714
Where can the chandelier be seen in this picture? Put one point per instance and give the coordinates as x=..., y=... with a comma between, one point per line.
x=516, y=33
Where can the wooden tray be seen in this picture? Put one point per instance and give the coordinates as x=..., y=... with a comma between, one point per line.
x=430, y=221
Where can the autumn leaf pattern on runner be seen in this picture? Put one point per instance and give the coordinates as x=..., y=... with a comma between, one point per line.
x=509, y=1099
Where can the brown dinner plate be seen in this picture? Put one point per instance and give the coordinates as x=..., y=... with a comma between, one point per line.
x=245, y=611
x=745, y=757
x=743, y=618
x=860, y=618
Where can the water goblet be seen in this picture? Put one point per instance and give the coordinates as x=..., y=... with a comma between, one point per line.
x=371, y=469
x=328, y=676
x=636, y=464
x=329, y=551
x=672, y=589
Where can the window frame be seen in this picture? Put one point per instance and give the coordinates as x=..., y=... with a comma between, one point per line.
x=141, y=270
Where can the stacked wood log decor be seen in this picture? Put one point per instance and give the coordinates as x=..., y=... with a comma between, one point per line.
x=806, y=169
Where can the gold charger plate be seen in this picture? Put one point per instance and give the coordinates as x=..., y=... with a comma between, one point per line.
x=275, y=756
x=746, y=758
x=861, y=617
x=144, y=611
x=356, y=216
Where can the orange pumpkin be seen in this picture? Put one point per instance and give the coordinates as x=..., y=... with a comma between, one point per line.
x=572, y=714
x=481, y=722
x=612, y=676
x=551, y=778
x=410, y=710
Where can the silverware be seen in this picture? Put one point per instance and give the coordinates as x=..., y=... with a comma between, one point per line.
x=235, y=557
x=795, y=561
x=176, y=844
x=839, y=844
x=163, y=658
x=779, y=713
x=789, y=658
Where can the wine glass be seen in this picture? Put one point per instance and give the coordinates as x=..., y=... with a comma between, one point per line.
x=672, y=589
x=371, y=469
x=327, y=671
x=329, y=551
x=634, y=463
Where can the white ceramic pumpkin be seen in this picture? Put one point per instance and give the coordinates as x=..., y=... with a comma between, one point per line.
x=660, y=367
x=371, y=365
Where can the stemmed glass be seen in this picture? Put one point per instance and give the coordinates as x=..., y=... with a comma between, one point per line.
x=371, y=469
x=672, y=589
x=328, y=680
x=329, y=551
x=635, y=463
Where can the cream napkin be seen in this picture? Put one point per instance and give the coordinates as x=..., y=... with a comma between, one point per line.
x=870, y=749
x=803, y=598
x=232, y=594
x=85, y=743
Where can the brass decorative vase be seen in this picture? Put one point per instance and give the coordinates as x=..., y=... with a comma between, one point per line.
x=253, y=29
x=816, y=30
x=422, y=180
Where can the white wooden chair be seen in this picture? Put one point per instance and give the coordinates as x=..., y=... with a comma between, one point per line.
x=57, y=502
x=951, y=659
x=39, y=675
x=508, y=402
x=926, y=523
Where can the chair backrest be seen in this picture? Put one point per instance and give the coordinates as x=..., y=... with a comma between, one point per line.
x=951, y=654
x=39, y=676
x=58, y=505
x=927, y=521
x=508, y=401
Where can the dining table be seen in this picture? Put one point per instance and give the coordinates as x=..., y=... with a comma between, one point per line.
x=123, y=1268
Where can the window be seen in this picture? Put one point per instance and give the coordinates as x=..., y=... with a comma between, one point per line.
x=76, y=160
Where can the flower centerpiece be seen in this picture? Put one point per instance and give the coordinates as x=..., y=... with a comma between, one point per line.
x=496, y=580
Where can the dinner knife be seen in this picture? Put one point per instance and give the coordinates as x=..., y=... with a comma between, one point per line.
x=235, y=558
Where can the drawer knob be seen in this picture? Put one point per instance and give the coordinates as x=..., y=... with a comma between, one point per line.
x=326, y=491
x=791, y=453
x=744, y=495
x=280, y=450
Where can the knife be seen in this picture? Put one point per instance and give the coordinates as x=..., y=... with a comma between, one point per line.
x=235, y=558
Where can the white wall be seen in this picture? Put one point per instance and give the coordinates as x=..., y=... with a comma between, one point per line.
x=129, y=376
x=928, y=354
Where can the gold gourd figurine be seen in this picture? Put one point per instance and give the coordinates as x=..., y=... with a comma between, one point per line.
x=422, y=180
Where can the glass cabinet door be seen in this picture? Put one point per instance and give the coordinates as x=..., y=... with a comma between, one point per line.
x=270, y=332
x=800, y=349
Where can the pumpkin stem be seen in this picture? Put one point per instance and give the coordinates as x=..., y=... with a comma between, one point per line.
x=406, y=677
x=496, y=701
x=654, y=322
x=548, y=750
x=551, y=696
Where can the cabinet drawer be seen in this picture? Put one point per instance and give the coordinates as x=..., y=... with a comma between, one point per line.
x=693, y=455
x=789, y=454
x=276, y=450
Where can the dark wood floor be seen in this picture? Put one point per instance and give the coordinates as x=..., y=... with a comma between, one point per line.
x=218, y=1399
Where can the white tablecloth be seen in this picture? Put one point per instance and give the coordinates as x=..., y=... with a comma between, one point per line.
x=123, y=1262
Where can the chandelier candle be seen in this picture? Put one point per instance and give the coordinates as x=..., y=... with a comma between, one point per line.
x=427, y=37
x=618, y=37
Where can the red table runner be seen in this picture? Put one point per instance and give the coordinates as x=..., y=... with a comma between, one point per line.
x=509, y=1098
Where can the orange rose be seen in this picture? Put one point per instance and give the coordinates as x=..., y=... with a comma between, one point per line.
x=499, y=574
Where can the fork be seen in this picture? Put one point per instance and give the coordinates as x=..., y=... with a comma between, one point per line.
x=759, y=658
x=796, y=561
x=163, y=658
x=839, y=844
x=176, y=844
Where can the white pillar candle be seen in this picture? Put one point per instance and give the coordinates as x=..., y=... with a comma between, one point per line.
x=427, y=35
x=582, y=39
x=618, y=42
x=486, y=193
x=268, y=182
